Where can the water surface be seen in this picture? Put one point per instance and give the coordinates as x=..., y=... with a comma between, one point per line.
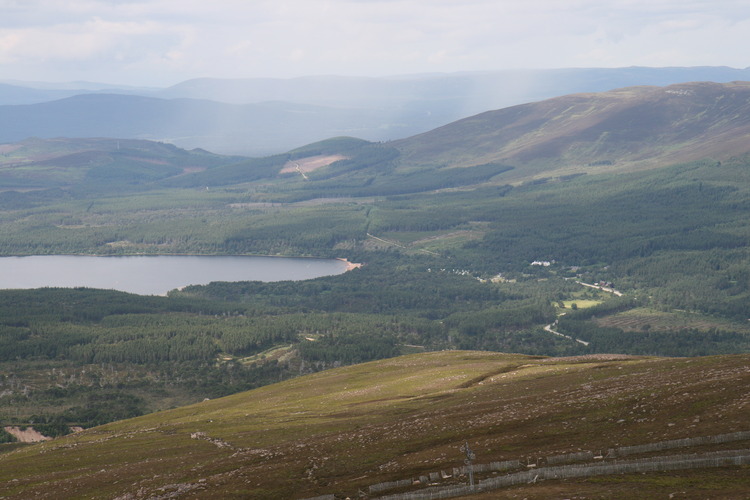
x=155, y=275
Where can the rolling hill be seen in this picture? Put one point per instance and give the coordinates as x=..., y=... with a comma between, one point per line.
x=617, y=132
x=341, y=431
x=621, y=130
x=96, y=163
x=625, y=130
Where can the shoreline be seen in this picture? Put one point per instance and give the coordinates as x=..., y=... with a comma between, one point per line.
x=349, y=265
x=138, y=283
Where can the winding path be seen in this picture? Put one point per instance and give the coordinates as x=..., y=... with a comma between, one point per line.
x=299, y=169
x=550, y=328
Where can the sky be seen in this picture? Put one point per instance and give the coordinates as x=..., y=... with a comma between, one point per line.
x=159, y=43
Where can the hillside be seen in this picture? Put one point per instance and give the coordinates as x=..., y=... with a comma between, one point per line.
x=96, y=164
x=618, y=131
x=621, y=130
x=343, y=430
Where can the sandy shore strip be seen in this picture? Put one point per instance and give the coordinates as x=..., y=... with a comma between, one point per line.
x=349, y=265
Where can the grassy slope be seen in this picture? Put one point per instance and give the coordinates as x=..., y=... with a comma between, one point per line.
x=621, y=130
x=344, y=429
x=96, y=164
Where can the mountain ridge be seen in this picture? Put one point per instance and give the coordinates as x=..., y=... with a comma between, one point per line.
x=184, y=122
x=630, y=128
x=372, y=108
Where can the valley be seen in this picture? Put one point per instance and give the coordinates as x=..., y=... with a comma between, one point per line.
x=473, y=238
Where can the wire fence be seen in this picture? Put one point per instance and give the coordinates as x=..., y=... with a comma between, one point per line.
x=490, y=467
x=391, y=485
x=678, y=443
x=611, y=466
x=661, y=464
x=570, y=457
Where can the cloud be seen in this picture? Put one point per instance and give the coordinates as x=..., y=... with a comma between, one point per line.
x=165, y=41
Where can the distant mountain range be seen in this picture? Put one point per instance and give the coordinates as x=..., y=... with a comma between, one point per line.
x=264, y=116
x=253, y=129
x=633, y=128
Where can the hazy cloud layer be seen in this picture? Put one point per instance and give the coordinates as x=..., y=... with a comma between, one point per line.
x=160, y=42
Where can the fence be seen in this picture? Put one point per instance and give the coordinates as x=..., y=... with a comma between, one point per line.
x=433, y=493
x=570, y=457
x=678, y=443
x=490, y=467
x=436, y=476
x=610, y=467
x=392, y=485
x=621, y=467
x=678, y=462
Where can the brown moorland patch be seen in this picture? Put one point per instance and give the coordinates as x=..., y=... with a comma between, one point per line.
x=341, y=430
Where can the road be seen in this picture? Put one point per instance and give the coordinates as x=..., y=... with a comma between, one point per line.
x=548, y=328
x=602, y=288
